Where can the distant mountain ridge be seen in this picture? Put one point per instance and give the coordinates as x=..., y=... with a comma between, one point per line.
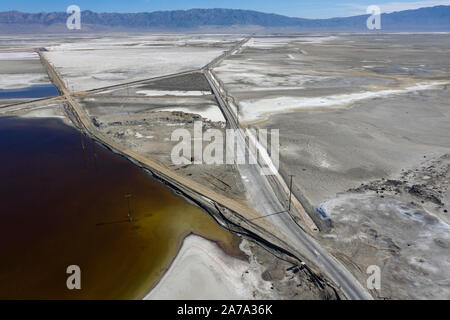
x=424, y=19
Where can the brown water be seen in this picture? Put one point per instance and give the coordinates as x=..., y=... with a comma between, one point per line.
x=63, y=202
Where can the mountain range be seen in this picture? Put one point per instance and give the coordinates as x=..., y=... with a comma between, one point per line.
x=228, y=20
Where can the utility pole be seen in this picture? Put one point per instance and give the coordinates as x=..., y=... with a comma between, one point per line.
x=95, y=156
x=83, y=151
x=290, y=193
x=128, y=196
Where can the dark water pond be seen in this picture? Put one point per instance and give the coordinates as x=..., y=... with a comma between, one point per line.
x=64, y=201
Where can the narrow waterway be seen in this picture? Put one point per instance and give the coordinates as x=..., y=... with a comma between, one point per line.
x=65, y=201
x=36, y=91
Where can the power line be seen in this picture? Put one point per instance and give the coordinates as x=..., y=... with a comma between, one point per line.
x=272, y=214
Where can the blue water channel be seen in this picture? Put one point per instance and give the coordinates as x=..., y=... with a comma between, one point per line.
x=36, y=92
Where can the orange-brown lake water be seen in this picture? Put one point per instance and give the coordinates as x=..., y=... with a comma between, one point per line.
x=63, y=201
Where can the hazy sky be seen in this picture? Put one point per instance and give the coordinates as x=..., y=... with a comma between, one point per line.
x=293, y=8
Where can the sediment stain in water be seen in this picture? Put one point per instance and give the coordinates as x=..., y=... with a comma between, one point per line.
x=63, y=200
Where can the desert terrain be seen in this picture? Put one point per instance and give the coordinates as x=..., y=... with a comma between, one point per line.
x=364, y=129
x=364, y=123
